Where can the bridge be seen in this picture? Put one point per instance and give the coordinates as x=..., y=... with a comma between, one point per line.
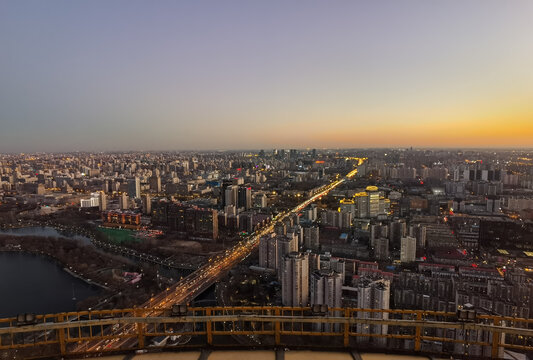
x=181, y=328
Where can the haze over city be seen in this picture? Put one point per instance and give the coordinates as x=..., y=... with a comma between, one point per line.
x=132, y=75
x=230, y=179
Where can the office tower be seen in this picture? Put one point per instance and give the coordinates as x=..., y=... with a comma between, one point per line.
x=134, y=188
x=326, y=289
x=231, y=195
x=361, y=205
x=146, y=204
x=373, y=295
x=155, y=183
x=295, y=280
x=311, y=237
x=408, y=249
x=373, y=201
x=124, y=201
x=103, y=201
x=244, y=197
x=419, y=232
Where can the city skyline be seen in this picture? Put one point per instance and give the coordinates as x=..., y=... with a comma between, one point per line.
x=99, y=76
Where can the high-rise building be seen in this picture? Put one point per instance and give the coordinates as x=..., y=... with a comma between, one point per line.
x=155, y=183
x=268, y=251
x=326, y=289
x=295, y=280
x=146, y=204
x=408, y=249
x=103, y=201
x=419, y=232
x=231, y=195
x=381, y=248
x=373, y=295
x=205, y=224
x=124, y=201
x=134, y=188
x=244, y=197
x=397, y=230
x=260, y=200
x=273, y=248
x=373, y=201
x=361, y=205
x=286, y=244
x=378, y=230
x=311, y=237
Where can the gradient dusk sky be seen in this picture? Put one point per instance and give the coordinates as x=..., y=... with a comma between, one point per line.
x=172, y=75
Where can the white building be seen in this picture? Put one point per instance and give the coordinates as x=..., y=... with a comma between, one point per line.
x=93, y=201
x=373, y=295
x=326, y=289
x=408, y=249
x=295, y=280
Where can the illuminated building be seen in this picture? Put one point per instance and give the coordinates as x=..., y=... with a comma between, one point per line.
x=126, y=219
x=373, y=201
x=366, y=204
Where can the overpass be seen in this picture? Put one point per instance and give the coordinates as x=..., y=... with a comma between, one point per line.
x=180, y=328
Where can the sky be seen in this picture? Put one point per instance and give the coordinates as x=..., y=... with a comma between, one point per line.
x=206, y=75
